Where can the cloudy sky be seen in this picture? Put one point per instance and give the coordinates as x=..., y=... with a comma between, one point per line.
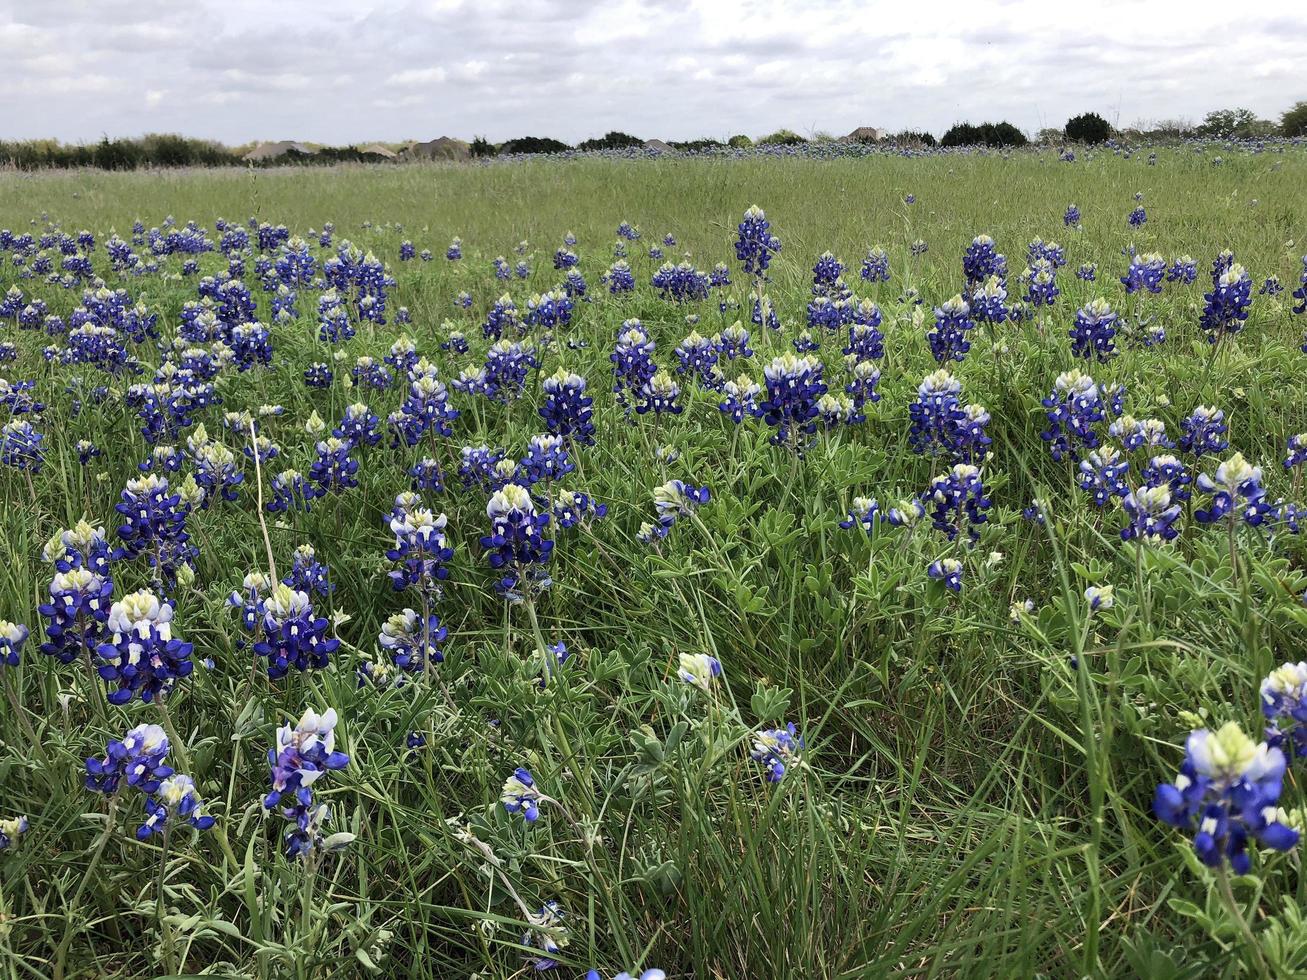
x=341, y=72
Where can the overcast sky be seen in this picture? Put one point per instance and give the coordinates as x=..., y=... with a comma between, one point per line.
x=341, y=72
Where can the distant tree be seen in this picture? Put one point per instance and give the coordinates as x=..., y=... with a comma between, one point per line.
x=740, y=142
x=1088, y=127
x=118, y=154
x=910, y=136
x=482, y=147
x=986, y=134
x=782, y=137
x=1294, y=120
x=696, y=146
x=533, y=144
x=1049, y=135
x=1228, y=123
x=611, y=141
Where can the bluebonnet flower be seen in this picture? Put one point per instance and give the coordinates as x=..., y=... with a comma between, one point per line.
x=291, y=491
x=1227, y=791
x=307, y=574
x=457, y=342
x=982, y=260
x=680, y=283
x=546, y=459
x=1138, y=216
x=520, y=795
x=827, y=270
x=624, y=975
x=455, y=250
x=301, y=756
x=411, y=642
x=794, y=385
x=565, y=259
x=1041, y=283
x=1100, y=597
x=516, y=546
x=947, y=571
x=139, y=757
x=776, y=748
x=697, y=355
x=1236, y=492
x=864, y=514
x=216, y=473
x=1227, y=304
x=864, y=376
x=740, y=399
x=12, y=638
x=1072, y=216
x=660, y=394
x=619, y=278
x=1300, y=294
x=756, y=245
x=699, y=670
x=1152, y=514
x=875, y=266
x=333, y=471
x=1204, y=432
x=627, y=231
x=547, y=934
x=1095, y=326
x=502, y=316
x=426, y=409
x=141, y=656
x=507, y=367
x=948, y=339
x=1145, y=272
x=407, y=251
x=20, y=446
x=291, y=635
x=249, y=600
x=367, y=373
x=551, y=309
x=1050, y=252
x=676, y=499
x=1165, y=470
x=733, y=342
x=1102, y=475
x=1297, y=451
x=988, y=301
x=1183, y=270
x=427, y=475
x=1282, y=697
x=1087, y=272
x=1271, y=287
x=1140, y=433
x=936, y=413
x=77, y=612
x=318, y=375
x=571, y=507
x=155, y=525
x=175, y=799
x=1072, y=408
x=11, y=829
x=866, y=342
x=421, y=548
x=956, y=499
x=765, y=313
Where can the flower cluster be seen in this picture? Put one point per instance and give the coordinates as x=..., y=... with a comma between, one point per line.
x=300, y=757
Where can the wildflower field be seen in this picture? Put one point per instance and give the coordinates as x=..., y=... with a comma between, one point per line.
x=701, y=568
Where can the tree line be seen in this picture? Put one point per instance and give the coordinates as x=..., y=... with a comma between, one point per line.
x=171, y=150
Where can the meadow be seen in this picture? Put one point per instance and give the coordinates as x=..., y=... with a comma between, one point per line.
x=583, y=761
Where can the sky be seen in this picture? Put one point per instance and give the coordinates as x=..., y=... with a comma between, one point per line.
x=352, y=72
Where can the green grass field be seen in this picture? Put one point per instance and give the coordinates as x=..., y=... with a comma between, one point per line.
x=974, y=796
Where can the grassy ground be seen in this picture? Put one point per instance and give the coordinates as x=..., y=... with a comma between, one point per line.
x=969, y=802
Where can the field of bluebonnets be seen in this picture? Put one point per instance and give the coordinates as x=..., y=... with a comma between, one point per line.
x=733, y=568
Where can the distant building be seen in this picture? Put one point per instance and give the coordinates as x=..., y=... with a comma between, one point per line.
x=440, y=148
x=377, y=150
x=866, y=134
x=658, y=146
x=271, y=151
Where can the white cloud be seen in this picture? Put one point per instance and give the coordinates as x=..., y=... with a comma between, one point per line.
x=339, y=72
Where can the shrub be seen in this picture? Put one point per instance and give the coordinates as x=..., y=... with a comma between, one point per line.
x=1088, y=127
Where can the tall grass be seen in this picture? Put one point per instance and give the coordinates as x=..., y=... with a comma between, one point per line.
x=970, y=803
